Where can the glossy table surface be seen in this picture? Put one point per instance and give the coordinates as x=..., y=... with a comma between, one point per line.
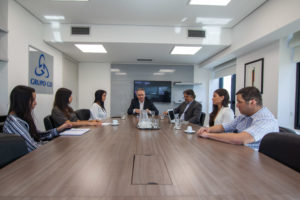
x=123, y=162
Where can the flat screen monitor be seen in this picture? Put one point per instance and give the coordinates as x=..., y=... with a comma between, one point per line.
x=156, y=91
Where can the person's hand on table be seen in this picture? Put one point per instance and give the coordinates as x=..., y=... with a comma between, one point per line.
x=95, y=123
x=137, y=111
x=203, y=132
x=64, y=126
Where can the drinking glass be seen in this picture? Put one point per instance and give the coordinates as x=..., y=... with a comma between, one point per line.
x=123, y=115
x=177, y=124
x=155, y=123
x=152, y=113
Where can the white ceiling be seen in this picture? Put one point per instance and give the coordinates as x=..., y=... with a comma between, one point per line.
x=129, y=53
x=141, y=13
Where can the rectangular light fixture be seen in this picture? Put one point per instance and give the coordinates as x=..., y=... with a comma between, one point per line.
x=210, y=2
x=121, y=73
x=91, y=48
x=185, y=50
x=54, y=17
x=212, y=21
x=158, y=73
x=115, y=70
x=167, y=70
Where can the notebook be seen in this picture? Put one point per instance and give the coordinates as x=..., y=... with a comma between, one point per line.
x=75, y=131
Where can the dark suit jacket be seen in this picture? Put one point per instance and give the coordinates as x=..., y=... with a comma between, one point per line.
x=135, y=104
x=192, y=114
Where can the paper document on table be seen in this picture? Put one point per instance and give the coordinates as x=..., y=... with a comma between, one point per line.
x=106, y=124
x=75, y=131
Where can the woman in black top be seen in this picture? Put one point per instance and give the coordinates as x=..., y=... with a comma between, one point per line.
x=62, y=112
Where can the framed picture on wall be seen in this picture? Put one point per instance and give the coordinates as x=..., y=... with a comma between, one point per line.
x=254, y=74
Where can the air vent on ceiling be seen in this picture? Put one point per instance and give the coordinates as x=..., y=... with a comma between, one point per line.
x=196, y=33
x=76, y=30
x=144, y=60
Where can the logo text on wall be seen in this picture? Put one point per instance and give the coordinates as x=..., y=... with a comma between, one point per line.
x=40, y=71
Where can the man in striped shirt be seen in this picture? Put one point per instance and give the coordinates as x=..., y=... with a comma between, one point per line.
x=249, y=128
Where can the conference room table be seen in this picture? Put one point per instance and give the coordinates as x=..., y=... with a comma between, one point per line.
x=123, y=162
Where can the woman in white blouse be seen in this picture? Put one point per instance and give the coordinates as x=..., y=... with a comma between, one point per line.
x=98, y=111
x=221, y=112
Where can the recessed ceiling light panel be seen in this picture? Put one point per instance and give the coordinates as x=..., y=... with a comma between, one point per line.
x=91, y=48
x=121, y=73
x=167, y=70
x=185, y=50
x=210, y=2
x=158, y=73
x=54, y=17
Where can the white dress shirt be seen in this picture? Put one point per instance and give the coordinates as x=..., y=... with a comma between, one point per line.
x=141, y=106
x=97, y=112
x=224, y=115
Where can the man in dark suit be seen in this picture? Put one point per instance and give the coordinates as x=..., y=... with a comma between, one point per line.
x=190, y=109
x=141, y=103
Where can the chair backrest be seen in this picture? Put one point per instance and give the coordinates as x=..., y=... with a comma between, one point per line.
x=12, y=148
x=202, y=118
x=2, y=120
x=83, y=114
x=49, y=123
x=283, y=147
x=286, y=130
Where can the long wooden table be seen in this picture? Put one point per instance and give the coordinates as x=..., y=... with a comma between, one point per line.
x=123, y=162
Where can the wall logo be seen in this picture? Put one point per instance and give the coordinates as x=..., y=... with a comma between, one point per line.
x=42, y=68
x=41, y=72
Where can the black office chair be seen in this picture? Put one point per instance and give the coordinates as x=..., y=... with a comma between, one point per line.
x=2, y=120
x=12, y=148
x=49, y=123
x=83, y=114
x=202, y=118
x=283, y=147
x=286, y=130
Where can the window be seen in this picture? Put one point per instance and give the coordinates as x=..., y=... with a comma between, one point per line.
x=297, y=102
x=229, y=83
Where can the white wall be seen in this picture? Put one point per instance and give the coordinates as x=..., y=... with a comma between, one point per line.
x=3, y=88
x=70, y=79
x=203, y=76
x=287, y=86
x=92, y=77
x=25, y=30
x=270, y=54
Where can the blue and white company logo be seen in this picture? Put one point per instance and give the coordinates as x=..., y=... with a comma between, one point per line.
x=42, y=68
x=42, y=72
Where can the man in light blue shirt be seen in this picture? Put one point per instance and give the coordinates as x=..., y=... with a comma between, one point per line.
x=249, y=128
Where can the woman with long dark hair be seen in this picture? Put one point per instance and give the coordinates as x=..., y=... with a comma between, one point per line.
x=98, y=110
x=221, y=112
x=62, y=112
x=20, y=121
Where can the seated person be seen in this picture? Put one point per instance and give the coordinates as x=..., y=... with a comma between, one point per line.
x=190, y=109
x=141, y=103
x=20, y=121
x=62, y=112
x=221, y=112
x=98, y=110
x=254, y=123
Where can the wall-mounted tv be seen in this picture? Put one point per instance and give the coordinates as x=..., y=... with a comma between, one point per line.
x=156, y=91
